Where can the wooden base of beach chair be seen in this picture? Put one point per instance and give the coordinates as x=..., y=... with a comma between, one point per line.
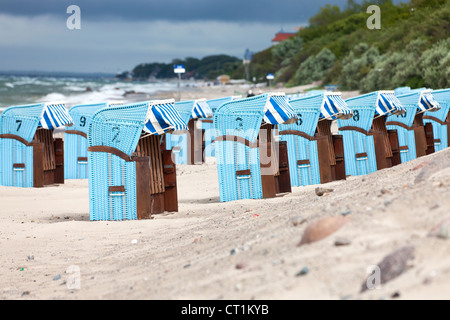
x=335, y=152
x=395, y=147
x=387, y=140
x=338, y=170
x=275, y=176
x=423, y=135
x=157, y=178
x=48, y=159
x=429, y=135
x=196, y=144
x=325, y=171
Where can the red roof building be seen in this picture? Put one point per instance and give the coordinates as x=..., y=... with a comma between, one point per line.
x=281, y=36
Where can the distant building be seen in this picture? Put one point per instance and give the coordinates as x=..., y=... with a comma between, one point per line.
x=281, y=36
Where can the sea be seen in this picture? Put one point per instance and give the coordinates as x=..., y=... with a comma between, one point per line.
x=22, y=88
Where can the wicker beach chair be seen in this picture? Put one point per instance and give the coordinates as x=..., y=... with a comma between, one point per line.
x=207, y=124
x=31, y=156
x=130, y=177
x=188, y=146
x=368, y=145
x=414, y=137
x=75, y=139
x=250, y=164
x=440, y=119
x=314, y=156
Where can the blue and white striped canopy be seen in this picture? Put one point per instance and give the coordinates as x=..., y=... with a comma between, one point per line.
x=427, y=102
x=334, y=107
x=278, y=110
x=201, y=109
x=387, y=103
x=162, y=117
x=54, y=116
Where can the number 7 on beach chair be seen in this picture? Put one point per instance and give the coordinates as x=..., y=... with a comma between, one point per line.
x=129, y=176
x=250, y=164
x=31, y=156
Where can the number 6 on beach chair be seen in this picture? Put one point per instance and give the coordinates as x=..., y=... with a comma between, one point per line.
x=440, y=119
x=75, y=139
x=188, y=146
x=310, y=155
x=31, y=156
x=414, y=137
x=129, y=176
x=368, y=146
x=250, y=164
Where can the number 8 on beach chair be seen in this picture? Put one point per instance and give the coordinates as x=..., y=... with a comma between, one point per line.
x=440, y=119
x=129, y=176
x=75, y=139
x=368, y=145
x=188, y=146
x=250, y=165
x=310, y=156
x=31, y=156
x=412, y=133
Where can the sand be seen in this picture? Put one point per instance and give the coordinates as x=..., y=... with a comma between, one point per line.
x=239, y=250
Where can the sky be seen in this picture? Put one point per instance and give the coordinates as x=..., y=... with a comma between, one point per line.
x=117, y=35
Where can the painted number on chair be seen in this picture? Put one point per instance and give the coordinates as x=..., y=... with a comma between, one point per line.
x=300, y=120
x=116, y=132
x=356, y=115
x=19, y=124
x=82, y=121
x=403, y=115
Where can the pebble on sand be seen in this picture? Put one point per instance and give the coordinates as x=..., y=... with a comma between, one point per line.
x=321, y=191
x=442, y=229
x=393, y=265
x=322, y=228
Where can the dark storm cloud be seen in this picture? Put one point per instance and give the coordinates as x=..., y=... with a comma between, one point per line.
x=178, y=10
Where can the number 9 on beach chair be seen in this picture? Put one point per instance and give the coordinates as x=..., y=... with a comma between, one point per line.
x=188, y=146
x=129, y=176
x=250, y=164
x=368, y=146
x=75, y=139
x=414, y=137
x=31, y=156
x=440, y=119
x=311, y=158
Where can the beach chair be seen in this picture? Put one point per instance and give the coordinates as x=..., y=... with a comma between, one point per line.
x=207, y=124
x=414, y=137
x=31, y=156
x=188, y=146
x=368, y=145
x=251, y=164
x=130, y=176
x=75, y=139
x=311, y=159
x=440, y=119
